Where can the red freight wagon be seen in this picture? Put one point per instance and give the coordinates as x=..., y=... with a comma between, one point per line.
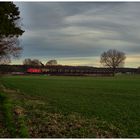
x=34, y=70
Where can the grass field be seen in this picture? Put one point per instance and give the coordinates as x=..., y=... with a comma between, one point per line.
x=76, y=106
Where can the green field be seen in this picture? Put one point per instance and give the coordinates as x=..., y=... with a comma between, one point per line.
x=82, y=106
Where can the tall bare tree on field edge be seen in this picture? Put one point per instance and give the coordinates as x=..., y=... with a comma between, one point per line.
x=9, y=31
x=113, y=59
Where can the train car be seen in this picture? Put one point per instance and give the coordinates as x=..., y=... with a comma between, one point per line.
x=34, y=71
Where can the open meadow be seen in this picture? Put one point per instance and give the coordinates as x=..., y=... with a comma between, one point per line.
x=57, y=106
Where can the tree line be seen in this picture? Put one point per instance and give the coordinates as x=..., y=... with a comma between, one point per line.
x=36, y=62
x=112, y=59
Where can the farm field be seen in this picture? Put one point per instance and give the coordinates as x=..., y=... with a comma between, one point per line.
x=57, y=106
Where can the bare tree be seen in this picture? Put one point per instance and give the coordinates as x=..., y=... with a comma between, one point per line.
x=51, y=62
x=9, y=47
x=34, y=62
x=113, y=59
x=27, y=61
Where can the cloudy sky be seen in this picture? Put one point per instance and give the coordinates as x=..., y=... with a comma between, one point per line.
x=77, y=33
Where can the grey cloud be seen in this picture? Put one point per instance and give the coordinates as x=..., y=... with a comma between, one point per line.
x=79, y=29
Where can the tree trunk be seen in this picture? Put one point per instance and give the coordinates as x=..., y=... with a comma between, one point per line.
x=113, y=71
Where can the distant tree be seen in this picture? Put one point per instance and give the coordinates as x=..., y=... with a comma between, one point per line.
x=37, y=62
x=34, y=62
x=9, y=31
x=27, y=61
x=113, y=59
x=51, y=62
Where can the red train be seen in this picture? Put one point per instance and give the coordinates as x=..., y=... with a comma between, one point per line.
x=34, y=70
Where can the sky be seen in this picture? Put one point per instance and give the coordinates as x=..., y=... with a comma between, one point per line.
x=77, y=33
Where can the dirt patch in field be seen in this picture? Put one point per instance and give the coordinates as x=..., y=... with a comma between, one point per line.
x=56, y=125
x=37, y=102
x=6, y=90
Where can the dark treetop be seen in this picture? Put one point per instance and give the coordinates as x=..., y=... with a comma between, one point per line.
x=9, y=15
